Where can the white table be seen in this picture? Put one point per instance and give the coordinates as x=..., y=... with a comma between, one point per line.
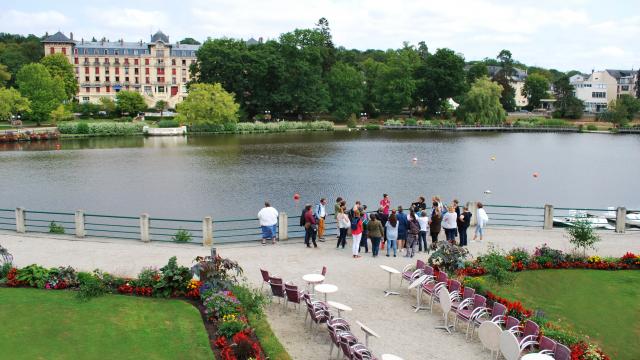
x=339, y=306
x=536, y=356
x=367, y=332
x=390, y=357
x=418, y=283
x=326, y=289
x=489, y=334
x=312, y=279
x=391, y=271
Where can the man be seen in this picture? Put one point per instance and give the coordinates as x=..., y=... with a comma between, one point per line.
x=268, y=218
x=385, y=204
x=336, y=210
x=321, y=213
x=310, y=226
x=419, y=205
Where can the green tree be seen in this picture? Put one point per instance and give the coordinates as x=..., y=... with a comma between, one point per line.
x=622, y=110
x=130, y=102
x=482, y=103
x=17, y=51
x=12, y=103
x=638, y=85
x=535, y=88
x=108, y=105
x=503, y=77
x=582, y=235
x=392, y=83
x=44, y=91
x=161, y=106
x=5, y=75
x=476, y=71
x=189, y=41
x=441, y=77
x=61, y=113
x=347, y=90
x=566, y=105
x=59, y=67
x=208, y=103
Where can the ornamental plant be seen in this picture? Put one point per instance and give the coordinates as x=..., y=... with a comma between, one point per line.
x=582, y=235
x=174, y=279
x=220, y=304
x=448, y=257
x=182, y=236
x=33, y=275
x=216, y=273
x=497, y=266
x=55, y=228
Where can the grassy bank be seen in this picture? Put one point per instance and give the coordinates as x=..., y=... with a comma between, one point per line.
x=601, y=304
x=268, y=340
x=41, y=324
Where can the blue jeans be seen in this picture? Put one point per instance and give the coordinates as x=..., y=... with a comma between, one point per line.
x=375, y=245
x=393, y=243
x=451, y=234
x=463, y=236
x=422, y=239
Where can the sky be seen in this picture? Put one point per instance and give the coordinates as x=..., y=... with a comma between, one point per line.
x=565, y=35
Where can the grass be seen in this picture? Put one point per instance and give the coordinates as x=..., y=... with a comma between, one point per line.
x=38, y=324
x=268, y=340
x=605, y=305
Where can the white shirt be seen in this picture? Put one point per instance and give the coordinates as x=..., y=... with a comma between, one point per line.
x=449, y=220
x=482, y=218
x=268, y=216
x=424, y=222
x=320, y=211
x=343, y=221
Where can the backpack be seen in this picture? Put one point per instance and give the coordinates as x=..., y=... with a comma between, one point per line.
x=414, y=226
x=302, y=220
x=354, y=223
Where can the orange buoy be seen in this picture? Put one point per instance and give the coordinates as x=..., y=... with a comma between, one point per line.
x=296, y=196
x=535, y=174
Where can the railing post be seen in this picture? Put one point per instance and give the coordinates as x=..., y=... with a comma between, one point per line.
x=144, y=228
x=80, y=232
x=207, y=231
x=283, y=226
x=621, y=220
x=20, y=221
x=473, y=209
x=548, y=217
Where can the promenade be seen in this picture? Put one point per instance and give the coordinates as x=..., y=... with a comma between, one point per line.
x=361, y=282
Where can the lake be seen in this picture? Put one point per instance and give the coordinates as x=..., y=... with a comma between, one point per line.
x=229, y=176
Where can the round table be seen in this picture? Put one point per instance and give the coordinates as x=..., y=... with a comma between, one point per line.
x=416, y=283
x=489, y=334
x=313, y=279
x=326, y=289
x=367, y=332
x=391, y=271
x=390, y=357
x=339, y=306
x=536, y=356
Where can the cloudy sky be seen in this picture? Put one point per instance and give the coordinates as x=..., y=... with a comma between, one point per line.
x=567, y=34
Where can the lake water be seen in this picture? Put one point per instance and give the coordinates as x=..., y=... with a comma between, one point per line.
x=231, y=175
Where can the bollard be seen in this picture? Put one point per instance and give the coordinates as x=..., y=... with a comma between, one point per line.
x=473, y=209
x=20, y=221
x=621, y=220
x=548, y=217
x=80, y=231
x=207, y=231
x=283, y=226
x=144, y=228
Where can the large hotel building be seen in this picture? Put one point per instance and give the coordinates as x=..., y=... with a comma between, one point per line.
x=159, y=70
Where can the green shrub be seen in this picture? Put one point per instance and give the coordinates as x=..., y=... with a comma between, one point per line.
x=352, y=122
x=33, y=275
x=168, y=123
x=230, y=328
x=477, y=283
x=4, y=270
x=82, y=128
x=182, y=236
x=148, y=277
x=251, y=299
x=174, y=279
x=111, y=128
x=554, y=123
x=90, y=286
x=592, y=127
x=393, y=122
x=372, y=127
x=582, y=235
x=55, y=228
x=519, y=255
x=411, y=122
x=497, y=266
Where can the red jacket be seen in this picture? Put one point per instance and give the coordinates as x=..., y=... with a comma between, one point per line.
x=309, y=218
x=358, y=229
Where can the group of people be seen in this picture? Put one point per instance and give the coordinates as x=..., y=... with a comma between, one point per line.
x=396, y=229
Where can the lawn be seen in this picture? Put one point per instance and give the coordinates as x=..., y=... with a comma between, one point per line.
x=605, y=305
x=40, y=324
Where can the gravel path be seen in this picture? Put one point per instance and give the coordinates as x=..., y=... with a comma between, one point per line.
x=361, y=283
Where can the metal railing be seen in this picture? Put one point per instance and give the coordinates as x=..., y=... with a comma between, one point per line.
x=147, y=228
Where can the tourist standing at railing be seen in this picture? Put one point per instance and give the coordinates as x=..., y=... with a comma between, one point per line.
x=402, y=228
x=383, y=219
x=392, y=234
x=365, y=229
x=321, y=213
x=268, y=218
x=481, y=221
x=419, y=205
x=450, y=224
x=465, y=219
x=310, y=226
x=458, y=208
x=343, y=225
x=435, y=225
x=412, y=233
x=375, y=231
x=356, y=233
x=336, y=211
x=423, y=220
x=385, y=204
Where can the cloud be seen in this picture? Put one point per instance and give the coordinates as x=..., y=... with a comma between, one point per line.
x=37, y=22
x=127, y=18
x=612, y=51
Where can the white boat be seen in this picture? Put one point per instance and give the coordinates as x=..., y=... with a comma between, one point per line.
x=632, y=218
x=597, y=222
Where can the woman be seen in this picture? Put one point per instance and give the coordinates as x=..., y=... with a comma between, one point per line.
x=465, y=220
x=423, y=219
x=435, y=225
x=450, y=224
x=310, y=226
x=481, y=221
x=365, y=229
x=392, y=234
x=402, y=228
x=356, y=233
x=375, y=232
x=343, y=225
x=412, y=233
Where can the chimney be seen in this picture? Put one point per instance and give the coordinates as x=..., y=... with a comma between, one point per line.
x=71, y=35
x=260, y=39
x=82, y=41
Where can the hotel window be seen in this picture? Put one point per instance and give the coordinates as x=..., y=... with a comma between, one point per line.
x=146, y=80
x=173, y=62
x=76, y=61
x=97, y=89
x=86, y=70
x=108, y=88
x=624, y=88
x=160, y=61
x=106, y=52
x=106, y=78
x=146, y=61
x=126, y=78
x=184, y=62
x=117, y=70
x=147, y=90
x=126, y=61
x=161, y=89
x=159, y=53
x=97, y=78
x=88, y=90
x=52, y=50
x=135, y=52
x=97, y=70
x=86, y=78
x=160, y=71
x=64, y=51
x=126, y=71
x=173, y=80
x=160, y=79
x=117, y=78
x=146, y=71
x=173, y=71
x=106, y=60
x=85, y=52
x=85, y=98
x=136, y=71
x=184, y=79
x=598, y=95
x=137, y=82
x=75, y=51
x=116, y=52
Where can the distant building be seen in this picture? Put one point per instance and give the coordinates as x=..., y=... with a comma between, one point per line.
x=601, y=87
